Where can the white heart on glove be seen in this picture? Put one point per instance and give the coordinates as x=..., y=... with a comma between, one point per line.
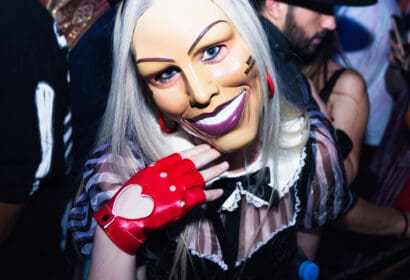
x=131, y=204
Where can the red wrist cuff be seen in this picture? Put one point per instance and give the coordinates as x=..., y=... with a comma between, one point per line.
x=117, y=229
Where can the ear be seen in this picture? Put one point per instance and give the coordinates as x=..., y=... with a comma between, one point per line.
x=275, y=11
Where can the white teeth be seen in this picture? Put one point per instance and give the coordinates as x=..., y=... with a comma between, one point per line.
x=224, y=114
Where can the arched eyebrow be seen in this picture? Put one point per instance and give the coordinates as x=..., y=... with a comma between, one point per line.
x=154, y=59
x=202, y=34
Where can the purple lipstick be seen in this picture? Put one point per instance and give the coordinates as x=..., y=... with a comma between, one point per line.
x=223, y=119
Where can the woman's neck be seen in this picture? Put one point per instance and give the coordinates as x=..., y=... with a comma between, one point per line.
x=241, y=159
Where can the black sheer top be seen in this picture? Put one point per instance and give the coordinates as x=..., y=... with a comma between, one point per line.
x=245, y=235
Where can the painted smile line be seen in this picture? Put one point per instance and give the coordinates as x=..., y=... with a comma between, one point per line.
x=223, y=119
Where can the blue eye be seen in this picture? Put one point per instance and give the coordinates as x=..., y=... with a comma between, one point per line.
x=211, y=53
x=166, y=75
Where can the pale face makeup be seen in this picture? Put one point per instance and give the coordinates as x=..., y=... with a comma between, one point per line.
x=200, y=71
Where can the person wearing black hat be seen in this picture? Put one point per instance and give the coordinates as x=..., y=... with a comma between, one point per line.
x=303, y=23
x=297, y=29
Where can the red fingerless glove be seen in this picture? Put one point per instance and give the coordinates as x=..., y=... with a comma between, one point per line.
x=175, y=187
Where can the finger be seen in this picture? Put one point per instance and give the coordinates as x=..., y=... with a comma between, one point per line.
x=214, y=171
x=200, y=155
x=214, y=194
x=173, y=159
x=195, y=150
x=203, y=157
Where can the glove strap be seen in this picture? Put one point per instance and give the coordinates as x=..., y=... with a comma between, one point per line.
x=117, y=229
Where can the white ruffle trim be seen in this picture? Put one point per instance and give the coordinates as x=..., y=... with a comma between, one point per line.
x=289, y=168
x=234, y=199
x=253, y=199
x=288, y=174
x=213, y=258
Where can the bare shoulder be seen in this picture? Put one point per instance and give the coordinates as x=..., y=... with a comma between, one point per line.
x=351, y=84
x=351, y=79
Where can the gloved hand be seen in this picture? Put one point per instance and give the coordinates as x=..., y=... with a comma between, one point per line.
x=174, y=185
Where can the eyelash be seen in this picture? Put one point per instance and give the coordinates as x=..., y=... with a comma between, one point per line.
x=171, y=72
x=160, y=79
x=213, y=57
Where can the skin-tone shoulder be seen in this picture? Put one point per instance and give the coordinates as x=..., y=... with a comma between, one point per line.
x=348, y=108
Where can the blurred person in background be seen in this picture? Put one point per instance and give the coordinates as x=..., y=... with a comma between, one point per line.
x=35, y=156
x=364, y=34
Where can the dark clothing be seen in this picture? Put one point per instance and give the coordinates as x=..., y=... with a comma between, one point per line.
x=292, y=83
x=35, y=148
x=90, y=68
x=34, y=116
x=271, y=261
x=327, y=89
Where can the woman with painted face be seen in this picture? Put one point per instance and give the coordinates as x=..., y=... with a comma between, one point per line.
x=202, y=169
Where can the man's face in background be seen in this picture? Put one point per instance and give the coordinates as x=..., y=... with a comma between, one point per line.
x=307, y=26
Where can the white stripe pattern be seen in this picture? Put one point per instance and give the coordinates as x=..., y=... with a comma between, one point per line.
x=44, y=100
